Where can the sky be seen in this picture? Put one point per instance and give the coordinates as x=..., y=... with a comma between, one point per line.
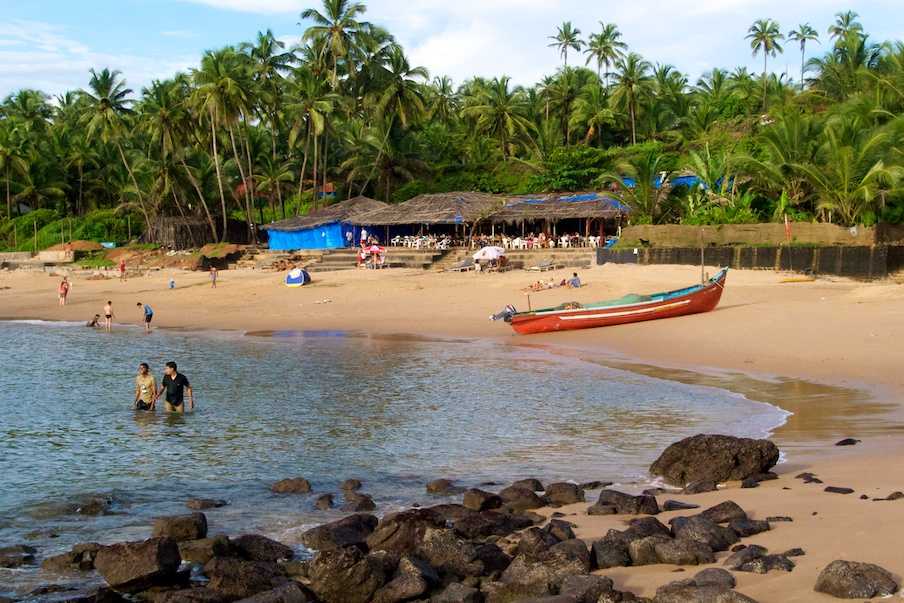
x=52, y=44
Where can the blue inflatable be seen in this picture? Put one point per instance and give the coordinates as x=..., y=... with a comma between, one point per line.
x=297, y=278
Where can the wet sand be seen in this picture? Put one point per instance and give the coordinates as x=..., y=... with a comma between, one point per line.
x=828, y=351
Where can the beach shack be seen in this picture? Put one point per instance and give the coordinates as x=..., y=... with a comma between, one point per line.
x=583, y=213
x=324, y=228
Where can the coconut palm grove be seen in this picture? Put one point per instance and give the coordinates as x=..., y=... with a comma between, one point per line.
x=259, y=131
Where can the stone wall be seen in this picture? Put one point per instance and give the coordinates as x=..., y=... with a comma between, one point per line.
x=755, y=235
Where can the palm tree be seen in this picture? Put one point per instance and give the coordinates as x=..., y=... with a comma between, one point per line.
x=12, y=159
x=402, y=96
x=442, y=99
x=765, y=36
x=567, y=36
x=269, y=179
x=632, y=80
x=803, y=34
x=605, y=48
x=643, y=185
x=379, y=153
x=269, y=64
x=336, y=27
x=592, y=113
x=500, y=112
x=105, y=117
x=845, y=23
x=309, y=105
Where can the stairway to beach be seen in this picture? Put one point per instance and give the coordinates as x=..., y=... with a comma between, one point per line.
x=576, y=257
x=396, y=257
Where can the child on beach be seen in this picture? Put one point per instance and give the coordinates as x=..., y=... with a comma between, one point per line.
x=64, y=290
x=145, y=388
x=148, y=316
x=108, y=316
x=172, y=282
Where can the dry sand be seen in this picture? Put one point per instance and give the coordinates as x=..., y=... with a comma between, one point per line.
x=826, y=350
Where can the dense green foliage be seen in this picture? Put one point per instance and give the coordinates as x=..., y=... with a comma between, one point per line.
x=257, y=131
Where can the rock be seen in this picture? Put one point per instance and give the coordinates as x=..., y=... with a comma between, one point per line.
x=628, y=504
x=688, y=592
x=294, y=485
x=745, y=555
x=595, y=485
x=610, y=551
x=490, y=523
x=202, y=504
x=700, y=486
x=838, y=490
x=645, y=526
x=724, y=512
x=586, y=589
x=181, y=527
x=795, y=552
x=203, y=550
x=703, y=530
x=324, y=502
x=18, y=555
x=413, y=578
x=748, y=527
x=240, y=578
x=564, y=493
x=348, y=531
x=598, y=509
x=79, y=558
x=350, y=484
x=452, y=512
x=254, y=547
x=642, y=551
x=191, y=595
x=449, y=554
x=135, y=566
x=481, y=500
x=750, y=483
x=346, y=575
x=402, y=532
x=895, y=496
x=517, y=498
x=494, y=559
x=457, y=593
x=778, y=518
x=534, y=485
x=847, y=442
x=717, y=458
x=677, y=505
x=854, y=580
x=357, y=502
x=534, y=541
x=560, y=530
x=287, y=593
x=715, y=576
x=546, y=573
x=767, y=563
x=683, y=552
x=505, y=592
x=443, y=487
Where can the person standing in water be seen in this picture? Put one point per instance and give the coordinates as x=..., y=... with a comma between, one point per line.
x=145, y=388
x=108, y=316
x=176, y=385
x=64, y=290
x=148, y=316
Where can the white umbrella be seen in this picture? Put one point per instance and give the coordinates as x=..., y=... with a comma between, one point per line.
x=489, y=253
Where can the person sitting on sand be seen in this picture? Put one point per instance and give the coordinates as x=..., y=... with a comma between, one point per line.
x=574, y=282
x=108, y=316
x=94, y=323
x=176, y=385
x=145, y=388
x=148, y=316
x=64, y=290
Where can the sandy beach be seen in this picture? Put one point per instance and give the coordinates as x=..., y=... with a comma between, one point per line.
x=826, y=350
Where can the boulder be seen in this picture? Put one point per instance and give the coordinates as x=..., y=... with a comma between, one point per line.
x=346, y=575
x=494, y=559
x=683, y=552
x=795, y=552
x=838, y=490
x=17, y=555
x=517, y=498
x=688, y=592
x=203, y=550
x=443, y=487
x=627, y=504
x=586, y=589
x=512, y=592
x=703, y=530
x=240, y=578
x=717, y=458
x=545, y=574
x=135, y=566
x=564, y=493
x=357, y=502
x=644, y=526
x=80, y=558
x=457, y=593
x=854, y=580
x=449, y=554
x=452, y=512
x=413, y=578
x=192, y=595
x=595, y=485
x=714, y=576
x=324, y=502
x=748, y=527
x=293, y=485
x=490, y=523
x=643, y=550
x=847, y=442
x=779, y=518
x=559, y=529
x=481, y=500
x=350, y=484
x=598, y=509
x=534, y=485
x=202, y=504
x=534, y=541
x=724, y=512
x=610, y=551
x=402, y=532
x=744, y=555
x=181, y=527
x=348, y=531
x=700, y=486
x=287, y=593
x=766, y=564
x=260, y=548
x=676, y=505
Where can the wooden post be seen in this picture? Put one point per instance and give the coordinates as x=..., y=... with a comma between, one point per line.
x=702, y=270
x=15, y=237
x=35, y=223
x=62, y=234
x=129, y=222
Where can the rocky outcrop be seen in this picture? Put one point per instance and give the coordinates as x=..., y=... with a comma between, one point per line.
x=348, y=531
x=356, y=502
x=413, y=578
x=17, y=555
x=546, y=573
x=203, y=550
x=517, y=498
x=701, y=529
x=324, y=502
x=181, y=527
x=287, y=593
x=855, y=580
x=135, y=566
x=79, y=559
x=564, y=493
x=202, y=504
x=532, y=484
x=724, y=512
x=481, y=500
x=443, y=487
x=627, y=504
x=716, y=458
x=240, y=578
x=347, y=575
x=490, y=523
x=254, y=547
x=402, y=532
x=293, y=485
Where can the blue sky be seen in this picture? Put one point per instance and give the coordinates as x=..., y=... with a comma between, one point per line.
x=51, y=44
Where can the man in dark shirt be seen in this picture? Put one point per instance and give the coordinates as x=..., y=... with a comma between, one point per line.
x=176, y=385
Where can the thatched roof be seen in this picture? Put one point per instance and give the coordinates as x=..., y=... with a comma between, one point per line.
x=560, y=207
x=436, y=208
x=344, y=211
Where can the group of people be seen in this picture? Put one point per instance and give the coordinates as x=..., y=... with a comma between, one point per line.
x=147, y=315
x=174, y=383
x=572, y=283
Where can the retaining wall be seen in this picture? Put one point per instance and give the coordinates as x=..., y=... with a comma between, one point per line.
x=756, y=235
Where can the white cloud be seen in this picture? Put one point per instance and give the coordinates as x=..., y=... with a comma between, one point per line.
x=257, y=6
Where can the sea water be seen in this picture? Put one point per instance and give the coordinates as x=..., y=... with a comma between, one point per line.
x=393, y=412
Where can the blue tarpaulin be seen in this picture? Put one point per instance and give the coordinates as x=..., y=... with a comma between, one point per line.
x=325, y=236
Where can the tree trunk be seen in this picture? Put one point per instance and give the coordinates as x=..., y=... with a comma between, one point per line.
x=144, y=211
x=765, y=89
x=633, y=126
x=9, y=200
x=81, y=178
x=216, y=163
x=314, y=198
x=253, y=190
x=325, y=155
x=249, y=218
x=304, y=167
x=191, y=178
x=803, y=53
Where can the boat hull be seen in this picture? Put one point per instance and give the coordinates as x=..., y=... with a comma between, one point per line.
x=703, y=299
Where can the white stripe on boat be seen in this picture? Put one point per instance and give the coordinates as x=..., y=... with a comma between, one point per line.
x=658, y=300
x=628, y=312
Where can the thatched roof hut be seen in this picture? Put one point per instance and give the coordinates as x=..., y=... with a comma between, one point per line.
x=435, y=208
x=344, y=211
x=556, y=207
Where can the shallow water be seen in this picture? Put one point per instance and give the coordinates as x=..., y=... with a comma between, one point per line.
x=393, y=412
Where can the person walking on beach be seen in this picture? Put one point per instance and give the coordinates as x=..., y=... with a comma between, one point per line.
x=176, y=385
x=64, y=290
x=145, y=388
x=213, y=277
x=148, y=316
x=108, y=316
x=122, y=270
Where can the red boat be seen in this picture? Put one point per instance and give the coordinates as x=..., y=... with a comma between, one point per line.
x=627, y=309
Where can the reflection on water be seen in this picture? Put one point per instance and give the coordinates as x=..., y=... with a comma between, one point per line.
x=394, y=412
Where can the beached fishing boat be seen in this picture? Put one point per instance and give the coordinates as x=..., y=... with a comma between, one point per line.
x=627, y=309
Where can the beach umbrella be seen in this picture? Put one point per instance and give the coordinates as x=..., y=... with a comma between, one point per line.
x=489, y=253
x=376, y=249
